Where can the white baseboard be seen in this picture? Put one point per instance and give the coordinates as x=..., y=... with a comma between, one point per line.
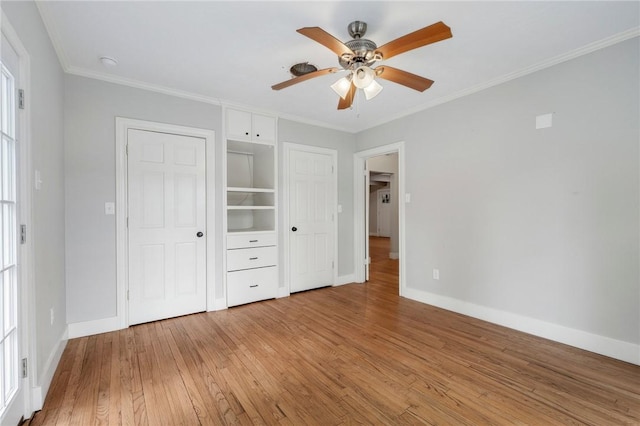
x=282, y=292
x=88, y=328
x=394, y=255
x=624, y=351
x=345, y=279
x=39, y=391
x=219, y=304
x=373, y=234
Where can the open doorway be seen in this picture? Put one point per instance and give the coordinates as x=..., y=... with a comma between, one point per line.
x=388, y=252
x=383, y=230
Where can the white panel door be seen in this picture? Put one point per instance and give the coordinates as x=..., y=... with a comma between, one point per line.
x=167, y=238
x=311, y=206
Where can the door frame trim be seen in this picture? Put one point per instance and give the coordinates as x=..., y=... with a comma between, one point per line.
x=359, y=220
x=32, y=385
x=287, y=147
x=122, y=253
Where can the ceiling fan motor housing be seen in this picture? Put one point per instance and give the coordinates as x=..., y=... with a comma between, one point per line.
x=363, y=50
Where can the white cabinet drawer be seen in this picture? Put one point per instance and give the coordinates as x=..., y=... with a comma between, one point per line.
x=257, y=257
x=251, y=285
x=250, y=240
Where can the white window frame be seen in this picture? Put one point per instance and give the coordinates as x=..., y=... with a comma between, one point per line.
x=34, y=387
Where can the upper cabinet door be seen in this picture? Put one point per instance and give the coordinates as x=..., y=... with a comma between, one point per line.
x=239, y=125
x=245, y=126
x=264, y=128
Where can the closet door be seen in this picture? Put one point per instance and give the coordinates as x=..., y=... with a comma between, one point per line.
x=167, y=241
x=311, y=204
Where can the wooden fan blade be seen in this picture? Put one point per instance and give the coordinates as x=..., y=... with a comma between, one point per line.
x=431, y=34
x=305, y=77
x=405, y=78
x=346, y=102
x=325, y=39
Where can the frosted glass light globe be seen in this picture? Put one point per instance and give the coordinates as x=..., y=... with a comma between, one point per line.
x=363, y=76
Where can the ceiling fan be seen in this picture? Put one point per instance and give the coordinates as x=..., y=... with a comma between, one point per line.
x=358, y=55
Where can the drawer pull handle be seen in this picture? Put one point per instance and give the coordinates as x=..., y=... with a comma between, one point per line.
x=253, y=258
x=253, y=286
x=253, y=241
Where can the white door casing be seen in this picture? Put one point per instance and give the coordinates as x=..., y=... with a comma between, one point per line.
x=167, y=225
x=310, y=203
x=215, y=299
x=367, y=216
x=361, y=227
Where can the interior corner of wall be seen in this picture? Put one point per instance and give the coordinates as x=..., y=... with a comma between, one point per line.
x=45, y=377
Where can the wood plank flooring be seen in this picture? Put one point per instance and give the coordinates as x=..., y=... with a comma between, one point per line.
x=355, y=354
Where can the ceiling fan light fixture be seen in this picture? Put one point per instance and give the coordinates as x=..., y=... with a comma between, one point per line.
x=372, y=90
x=363, y=76
x=342, y=86
x=358, y=55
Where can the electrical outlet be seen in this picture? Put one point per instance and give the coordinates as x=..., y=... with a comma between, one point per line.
x=52, y=315
x=436, y=274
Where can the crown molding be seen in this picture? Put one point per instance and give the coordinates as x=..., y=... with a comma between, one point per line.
x=589, y=48
x=47, y=20
x=62, y=57
x=137, y=84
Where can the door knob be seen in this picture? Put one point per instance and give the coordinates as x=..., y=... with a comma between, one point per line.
x=199, y=234
x=294, y=229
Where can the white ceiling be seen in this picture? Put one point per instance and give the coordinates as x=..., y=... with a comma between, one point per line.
x=234, y=51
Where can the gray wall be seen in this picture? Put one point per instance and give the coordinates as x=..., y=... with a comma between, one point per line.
x=46, y=101
x=90, y=110
x=304, y=134
x=542, y=223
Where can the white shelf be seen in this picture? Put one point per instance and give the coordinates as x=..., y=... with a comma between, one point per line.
x=250, y=207
x=240, y=189
x=249, y=231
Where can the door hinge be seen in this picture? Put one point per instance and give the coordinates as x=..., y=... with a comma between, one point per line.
x=367, y=261
x=21, y=98
x=25, y=369
x=127, y=222
x=333, y=264
x=23, y=234
x=127, y=294
x=126, y=149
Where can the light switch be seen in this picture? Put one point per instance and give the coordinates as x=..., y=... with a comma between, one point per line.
x=407, y=197
x=543, y=121
x=339, y=208
x=109, y=208
x=38, y=180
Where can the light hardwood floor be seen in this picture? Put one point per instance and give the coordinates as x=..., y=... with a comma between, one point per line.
x=344, y=355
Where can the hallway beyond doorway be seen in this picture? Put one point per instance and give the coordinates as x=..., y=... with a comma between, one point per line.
x=382, y=267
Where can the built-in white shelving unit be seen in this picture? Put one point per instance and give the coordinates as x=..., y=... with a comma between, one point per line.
x=250, y=208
